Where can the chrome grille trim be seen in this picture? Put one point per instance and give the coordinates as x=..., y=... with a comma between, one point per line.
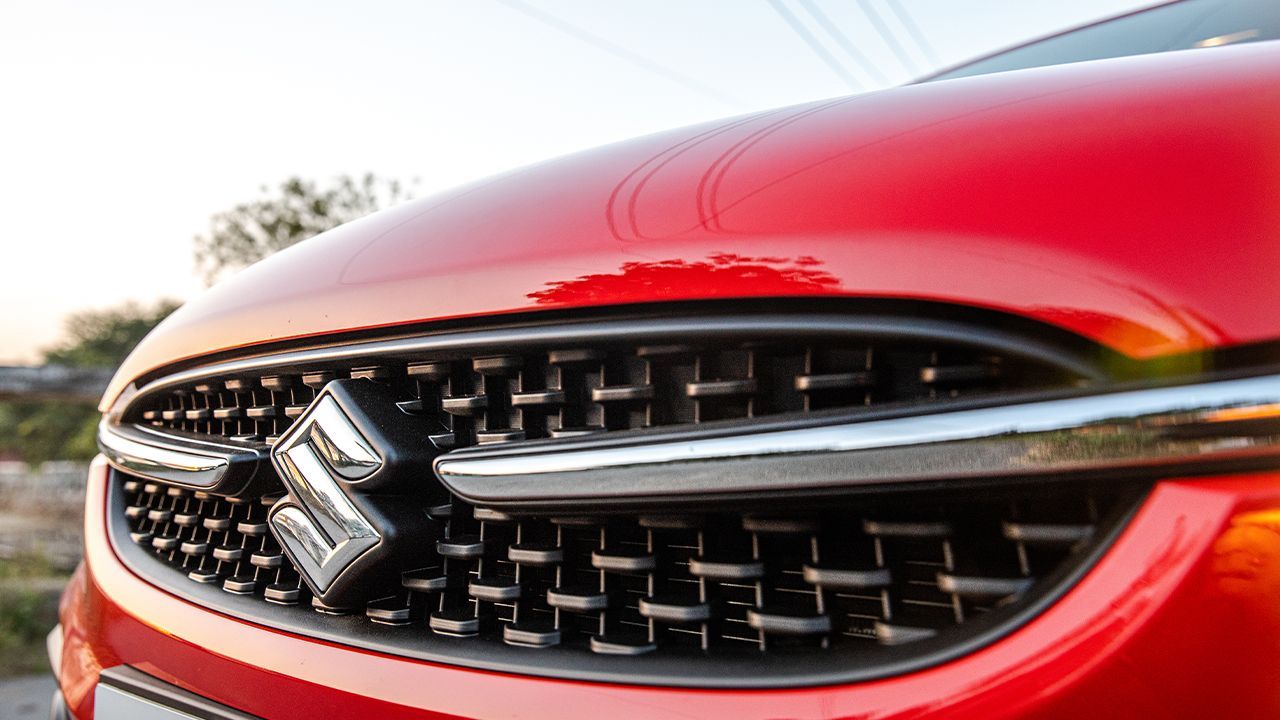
x=172, y=457
x=1203, y=426
x=1199, y=427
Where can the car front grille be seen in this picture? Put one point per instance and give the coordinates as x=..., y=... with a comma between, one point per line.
x=854, y=584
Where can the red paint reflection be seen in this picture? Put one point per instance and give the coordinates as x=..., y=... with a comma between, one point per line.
x=662, y=279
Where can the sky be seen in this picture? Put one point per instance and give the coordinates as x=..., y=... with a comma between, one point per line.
x=125, y=125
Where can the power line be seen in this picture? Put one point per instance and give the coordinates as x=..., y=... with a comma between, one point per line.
x=887, y=35
x=913, y=30
x=620, y=52
x=814, y=45
x=844, y=42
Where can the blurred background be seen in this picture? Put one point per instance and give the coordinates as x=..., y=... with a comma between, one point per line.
x=149, y=148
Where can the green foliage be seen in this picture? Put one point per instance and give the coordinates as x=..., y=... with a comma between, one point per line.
x=26, y=614
x=29, y=588
x=296, y=210
x=25, y=566
x=102, y=338
x=39, y=431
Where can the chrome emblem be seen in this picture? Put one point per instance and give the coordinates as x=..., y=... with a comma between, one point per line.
x=335, y=460
x=326, y=540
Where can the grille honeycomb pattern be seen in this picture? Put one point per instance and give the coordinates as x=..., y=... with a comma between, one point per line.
x=878, y=572
x=215, y=540
x=493, y=398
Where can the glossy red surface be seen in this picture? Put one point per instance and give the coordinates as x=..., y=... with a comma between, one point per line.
x=1133, y=201
x=1180, y=619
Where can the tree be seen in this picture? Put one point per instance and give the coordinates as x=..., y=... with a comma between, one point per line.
x=102, y=338
x=36, y=430
x=297, y=210
x=248, y=232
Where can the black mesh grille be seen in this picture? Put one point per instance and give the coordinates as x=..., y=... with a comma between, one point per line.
x=563, y=392
x=215, y=540
x=879, y=571
x=844, y=579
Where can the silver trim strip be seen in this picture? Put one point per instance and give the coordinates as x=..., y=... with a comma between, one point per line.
x=172, y=458
x=1181, y=426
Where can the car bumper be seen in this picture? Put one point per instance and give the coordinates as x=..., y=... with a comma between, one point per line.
x=1180, y=619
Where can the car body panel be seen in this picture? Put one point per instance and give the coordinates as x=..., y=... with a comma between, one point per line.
x=1135, y=202
x=1194, y=575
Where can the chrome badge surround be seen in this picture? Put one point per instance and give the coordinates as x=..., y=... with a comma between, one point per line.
x=316, y=523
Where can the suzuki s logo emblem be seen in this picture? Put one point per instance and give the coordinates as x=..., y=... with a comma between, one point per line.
x=354, y=467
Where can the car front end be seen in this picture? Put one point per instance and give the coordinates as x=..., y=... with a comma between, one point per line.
x=956, y=400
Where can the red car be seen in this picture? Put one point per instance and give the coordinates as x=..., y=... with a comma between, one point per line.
x=955, y=400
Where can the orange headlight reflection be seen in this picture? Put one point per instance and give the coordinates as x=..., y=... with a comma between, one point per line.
x=1246, y=563
x=1256, y=412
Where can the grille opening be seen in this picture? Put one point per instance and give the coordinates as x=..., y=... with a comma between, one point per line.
x=845, y=582
x=486, y=398
x=881, y=571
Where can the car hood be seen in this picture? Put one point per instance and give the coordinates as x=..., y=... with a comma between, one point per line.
x=1133, y=201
